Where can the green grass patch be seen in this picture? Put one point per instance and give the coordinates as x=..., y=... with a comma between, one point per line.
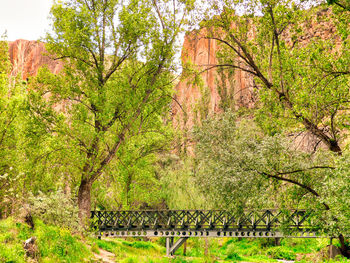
x=59, y=244
x=11, y=249
x=54, y=244
x=281, y=253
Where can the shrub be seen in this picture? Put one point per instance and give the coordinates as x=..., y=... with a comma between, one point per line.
x=139, y=244
x=55, y=209
x=11, y=250
x=59, y=245
x=281, y=253
x=231, y=253
x=12, y=253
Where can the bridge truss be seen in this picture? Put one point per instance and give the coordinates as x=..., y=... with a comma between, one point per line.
x=202, y=223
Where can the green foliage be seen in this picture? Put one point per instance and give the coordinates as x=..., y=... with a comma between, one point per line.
x=10, y=249
x=235, y=161
x=336, y=193
x=95, y=248
x=114, y=93
x=178, y=183
x=301, y=80
x=57, y=244
x=307, y=245
x=280, y=253
x=12, y=120
x=232, y=254
x=55, y=209
x=139, y=244
x=54, y=244
x=341, y=3
x=135, y=178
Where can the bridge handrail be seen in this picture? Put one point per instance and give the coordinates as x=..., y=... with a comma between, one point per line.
x=212, y=219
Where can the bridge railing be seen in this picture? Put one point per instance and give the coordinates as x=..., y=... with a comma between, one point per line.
x=264, y=220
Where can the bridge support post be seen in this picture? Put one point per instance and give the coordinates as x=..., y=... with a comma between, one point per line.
x=169, y=244
x=277, y=241
x=171, y=247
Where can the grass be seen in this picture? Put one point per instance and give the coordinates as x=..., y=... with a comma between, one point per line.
x=56, y=244
x=11, y=235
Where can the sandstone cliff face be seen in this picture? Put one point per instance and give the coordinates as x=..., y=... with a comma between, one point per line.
x=219, y=90
x=28, y=56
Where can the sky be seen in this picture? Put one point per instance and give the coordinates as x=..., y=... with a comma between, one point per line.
x=24, y=19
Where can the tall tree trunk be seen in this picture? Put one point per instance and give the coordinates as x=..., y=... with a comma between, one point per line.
x=84, y=201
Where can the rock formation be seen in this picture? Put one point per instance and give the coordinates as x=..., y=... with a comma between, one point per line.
x=218, y=91
x=28, y=56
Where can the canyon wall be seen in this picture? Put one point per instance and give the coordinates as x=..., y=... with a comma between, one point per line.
x=219, y=89
x=28, y=56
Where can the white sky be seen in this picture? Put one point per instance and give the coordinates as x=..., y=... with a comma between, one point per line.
x=24, y=19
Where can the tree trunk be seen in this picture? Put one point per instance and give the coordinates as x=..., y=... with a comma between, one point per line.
x=84, y=201
x=344, y=249
x=185, y=248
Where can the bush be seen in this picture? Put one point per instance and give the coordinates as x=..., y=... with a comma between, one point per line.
x=281, y=253
x=11, y=249
x=55, y=209
x=139, y=244
x=59, y=245
x=12, y=253
x=231, y=253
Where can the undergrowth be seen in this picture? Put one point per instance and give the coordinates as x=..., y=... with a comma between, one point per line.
x=55, y=244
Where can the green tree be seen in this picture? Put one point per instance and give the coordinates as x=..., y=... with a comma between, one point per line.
x=241, y=168
x=116, y=83
x=302, y=78
x=133, y=181
x=236, y=160
x=12, y=112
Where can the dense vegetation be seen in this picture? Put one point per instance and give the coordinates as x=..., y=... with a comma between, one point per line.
x=56, y=244
x=99, y=135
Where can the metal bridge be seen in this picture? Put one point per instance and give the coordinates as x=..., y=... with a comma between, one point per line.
x=202, y=223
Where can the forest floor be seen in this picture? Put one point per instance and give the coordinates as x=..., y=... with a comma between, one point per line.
x=54, y=244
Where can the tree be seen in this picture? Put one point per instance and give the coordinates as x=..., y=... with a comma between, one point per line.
x=133, y=181
x=236, y=161
x=12, y=112
x=302, y=81
x=116, y=83
x=302, y=78
x=241, y=168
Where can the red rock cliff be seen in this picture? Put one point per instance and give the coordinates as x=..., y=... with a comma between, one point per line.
x=28, y=56
x=218, y=91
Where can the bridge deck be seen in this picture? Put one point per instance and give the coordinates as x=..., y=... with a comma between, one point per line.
x=204, y=223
